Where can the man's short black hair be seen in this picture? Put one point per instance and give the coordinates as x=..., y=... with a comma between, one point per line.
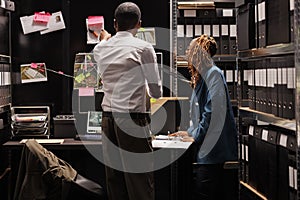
x=127, y=15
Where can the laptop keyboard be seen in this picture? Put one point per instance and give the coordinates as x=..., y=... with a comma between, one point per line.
x=96, y=137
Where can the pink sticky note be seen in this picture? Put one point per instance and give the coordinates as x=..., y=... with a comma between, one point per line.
x=86, y=92
x=93, y=20
x=41, y=17
x=60, y=72
x=34, y=65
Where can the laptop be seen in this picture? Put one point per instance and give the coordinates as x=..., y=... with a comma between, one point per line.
x=93, y=127
x=94, y=121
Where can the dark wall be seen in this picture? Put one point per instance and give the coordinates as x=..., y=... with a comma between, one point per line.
x=57, y=49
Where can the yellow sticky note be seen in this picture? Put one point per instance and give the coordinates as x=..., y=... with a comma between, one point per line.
x=79, y=78
x=152, y=100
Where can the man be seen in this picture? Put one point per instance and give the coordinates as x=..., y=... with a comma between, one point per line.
x=128, y=70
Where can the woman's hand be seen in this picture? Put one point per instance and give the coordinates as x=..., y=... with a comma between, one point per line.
x=187, y=139
x=183, y=135
x=180, y=134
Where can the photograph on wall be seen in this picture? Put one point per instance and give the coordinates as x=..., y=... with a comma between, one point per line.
x=85, y=71
x=56, y=23
x=34, y=72
x=94, y=25
x=147, y=34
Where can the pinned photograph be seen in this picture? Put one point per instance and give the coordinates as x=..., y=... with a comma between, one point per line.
x=56, y=23
x=147, y=34
x=34, y=72
x=94, y=25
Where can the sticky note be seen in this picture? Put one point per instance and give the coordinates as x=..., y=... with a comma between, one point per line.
x=33, y=65
x=86, y=92
x=41, y=17
x=79, y=78
x=93, y=20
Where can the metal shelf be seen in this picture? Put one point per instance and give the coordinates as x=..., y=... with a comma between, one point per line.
x=225, y=58
x=269, y=118
x=5, y=59
x=181, y=62
x=273, y=50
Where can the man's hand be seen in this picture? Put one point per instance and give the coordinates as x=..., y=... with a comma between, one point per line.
x=104, y=35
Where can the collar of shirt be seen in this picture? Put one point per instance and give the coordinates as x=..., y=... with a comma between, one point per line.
x=124, y=34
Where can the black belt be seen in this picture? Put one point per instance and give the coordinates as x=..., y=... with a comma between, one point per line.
x=131, y=115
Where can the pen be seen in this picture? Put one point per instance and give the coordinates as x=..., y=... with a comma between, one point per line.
x=93, y=32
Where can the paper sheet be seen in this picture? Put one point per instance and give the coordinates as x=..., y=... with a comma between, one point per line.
x=170, y=144
x=29, y=26
x=46, y=141
x=55, y=23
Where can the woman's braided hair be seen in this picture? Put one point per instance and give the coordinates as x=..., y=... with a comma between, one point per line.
x=199, y=56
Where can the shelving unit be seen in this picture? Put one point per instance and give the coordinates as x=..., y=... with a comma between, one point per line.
x=267, y=73
x=214, y=18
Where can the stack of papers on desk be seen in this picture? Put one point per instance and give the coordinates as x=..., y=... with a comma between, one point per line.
x=45, y=141
x=165, y=141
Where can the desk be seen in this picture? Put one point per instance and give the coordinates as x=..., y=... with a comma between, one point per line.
x=170, y=182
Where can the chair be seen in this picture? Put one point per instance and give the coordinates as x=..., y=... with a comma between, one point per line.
x=42, y=175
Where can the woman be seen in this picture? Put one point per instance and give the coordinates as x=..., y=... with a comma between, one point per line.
x=212, y=128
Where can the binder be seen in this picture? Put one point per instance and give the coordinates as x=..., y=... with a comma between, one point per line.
x=261, y=21
x=225, y=39
x=279, y=90
x=252, y=87
x=258, y=86
x=267, y=163
x=229, y=80
x=291, y=22
x=232, y=42
x=180, y=46
x=216, y=36
x=246, y=27
x=283, y=166
x=245, y=84
x=264, y=96
x=269, y=87
x=293, y=178
x=289, y=97
x=198, y=30
x=254, y=135
x=206, y=13
x=239, y=3
x=278, y=22
x=180, y=40
x=244, y=158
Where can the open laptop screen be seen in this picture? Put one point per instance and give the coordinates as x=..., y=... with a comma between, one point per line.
x=94, y=121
